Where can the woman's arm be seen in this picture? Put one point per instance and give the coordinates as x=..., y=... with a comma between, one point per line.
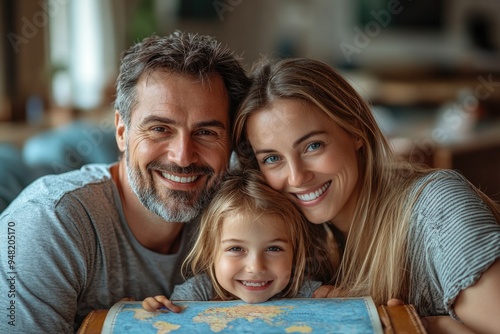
x=478, y=306
x=326, y=291
x=438, y=324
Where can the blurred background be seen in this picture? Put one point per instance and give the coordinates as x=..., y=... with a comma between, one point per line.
x=429, y=68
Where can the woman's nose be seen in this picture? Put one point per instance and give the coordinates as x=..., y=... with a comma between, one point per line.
x=298, y=174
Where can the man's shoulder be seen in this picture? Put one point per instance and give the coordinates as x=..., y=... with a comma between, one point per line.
x=88, y=174
x=73, y=180
x=90, y=182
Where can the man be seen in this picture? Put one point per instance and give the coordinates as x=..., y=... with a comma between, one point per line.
x=86, y=239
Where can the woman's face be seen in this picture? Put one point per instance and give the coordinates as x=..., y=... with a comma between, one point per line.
x=302, y=152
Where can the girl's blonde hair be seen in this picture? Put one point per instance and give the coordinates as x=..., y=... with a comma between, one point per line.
x=245, y=192
x=374, y=261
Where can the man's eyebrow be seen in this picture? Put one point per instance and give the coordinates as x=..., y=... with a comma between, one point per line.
x=210, y=124
x=166, y=120
x=157, y=119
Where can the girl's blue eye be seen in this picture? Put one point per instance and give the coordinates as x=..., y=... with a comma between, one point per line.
x=274, y=249
x=235, y=249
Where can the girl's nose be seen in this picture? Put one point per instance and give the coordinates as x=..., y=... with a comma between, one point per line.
x=256, y=265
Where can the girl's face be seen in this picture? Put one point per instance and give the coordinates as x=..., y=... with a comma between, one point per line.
x=255, y=256
x=302, y=152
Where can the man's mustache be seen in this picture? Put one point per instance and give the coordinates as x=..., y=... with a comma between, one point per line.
x=173, y=168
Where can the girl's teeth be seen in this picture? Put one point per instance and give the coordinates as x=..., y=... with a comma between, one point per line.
x=255, y=284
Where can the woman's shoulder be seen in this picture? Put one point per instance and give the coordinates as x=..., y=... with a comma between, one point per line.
x=441, y=175
x=445, y=191
x=442, y=183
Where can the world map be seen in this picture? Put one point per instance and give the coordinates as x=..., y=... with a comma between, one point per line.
x=330, y=315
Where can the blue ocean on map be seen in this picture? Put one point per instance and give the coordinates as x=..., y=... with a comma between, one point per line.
x=329, y=315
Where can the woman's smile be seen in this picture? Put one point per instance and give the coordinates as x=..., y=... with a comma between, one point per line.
x=312, y=195
x=314, y=160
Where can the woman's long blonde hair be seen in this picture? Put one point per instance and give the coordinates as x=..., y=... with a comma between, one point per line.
x=374, y=261
x=245, y=191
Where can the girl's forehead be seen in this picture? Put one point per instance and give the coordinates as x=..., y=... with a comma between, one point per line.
x=250, y=219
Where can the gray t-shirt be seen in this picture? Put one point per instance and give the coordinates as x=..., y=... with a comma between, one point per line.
x=66, y=249
x=199, y=288
x=453, y=239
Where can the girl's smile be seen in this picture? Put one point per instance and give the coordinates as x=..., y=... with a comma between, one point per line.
x=254, y=259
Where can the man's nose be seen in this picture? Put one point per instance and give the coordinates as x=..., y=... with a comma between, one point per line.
x=182, y=150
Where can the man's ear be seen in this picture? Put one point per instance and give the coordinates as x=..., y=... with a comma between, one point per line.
x=120, y=132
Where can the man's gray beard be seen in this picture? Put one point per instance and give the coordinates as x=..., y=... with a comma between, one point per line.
x=177, y=208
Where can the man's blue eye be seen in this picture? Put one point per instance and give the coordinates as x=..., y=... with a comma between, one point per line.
x=205, y=132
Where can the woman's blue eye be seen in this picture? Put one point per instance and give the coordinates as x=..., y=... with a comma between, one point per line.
x=235, y=249
x=314, y=146
x=270, y=159
x=274, y=249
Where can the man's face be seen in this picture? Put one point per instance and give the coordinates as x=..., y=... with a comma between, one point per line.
x=177, y=145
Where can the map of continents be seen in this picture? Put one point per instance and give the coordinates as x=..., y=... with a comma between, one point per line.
x=280, y=316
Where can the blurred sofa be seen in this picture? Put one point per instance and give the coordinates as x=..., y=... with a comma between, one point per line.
x=52, y=152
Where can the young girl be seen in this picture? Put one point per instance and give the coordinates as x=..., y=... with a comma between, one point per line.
x=252, y=245
x=424, y=236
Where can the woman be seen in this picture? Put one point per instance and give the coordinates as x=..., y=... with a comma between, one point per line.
x=423, y=236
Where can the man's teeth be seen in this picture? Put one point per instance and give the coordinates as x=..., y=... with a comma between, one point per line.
x=313, y=195
x=175, y=178
x=255, y=284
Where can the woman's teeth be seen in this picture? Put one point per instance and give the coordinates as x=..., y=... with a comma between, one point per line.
x=313, y=195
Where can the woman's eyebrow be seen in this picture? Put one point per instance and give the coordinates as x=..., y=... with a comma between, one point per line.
x=306, y=136
x=295, y=143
